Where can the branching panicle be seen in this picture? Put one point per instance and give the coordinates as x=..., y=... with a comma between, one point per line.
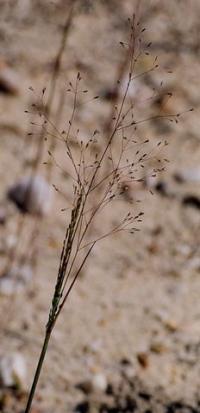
x=102, y=168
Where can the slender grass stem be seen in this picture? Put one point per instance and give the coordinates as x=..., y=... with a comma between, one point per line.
x=38, y=370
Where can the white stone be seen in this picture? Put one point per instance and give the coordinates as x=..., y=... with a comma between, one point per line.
x=99, y=382
x=13, y=370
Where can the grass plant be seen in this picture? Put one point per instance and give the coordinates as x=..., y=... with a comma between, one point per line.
x=98, y=170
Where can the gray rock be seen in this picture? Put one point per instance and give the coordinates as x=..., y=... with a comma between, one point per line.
x=190, y=175
x=9, y=81
x=15, y=280
x=31, y=195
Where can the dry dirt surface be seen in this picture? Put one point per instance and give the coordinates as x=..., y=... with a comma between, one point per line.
x=128, y=339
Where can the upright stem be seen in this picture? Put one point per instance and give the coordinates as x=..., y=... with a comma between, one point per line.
x=38, y=370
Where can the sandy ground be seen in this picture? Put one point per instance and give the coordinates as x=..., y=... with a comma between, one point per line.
x=134, y=316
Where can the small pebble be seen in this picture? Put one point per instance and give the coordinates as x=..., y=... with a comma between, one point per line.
x=13, y=371
x=143, y=359
x=9, y=81
x=31, y=195
x=191, y=201
x=99, y=382
x=3, y=216
x=188, y=175
x=85, y=386
x=15, y=280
